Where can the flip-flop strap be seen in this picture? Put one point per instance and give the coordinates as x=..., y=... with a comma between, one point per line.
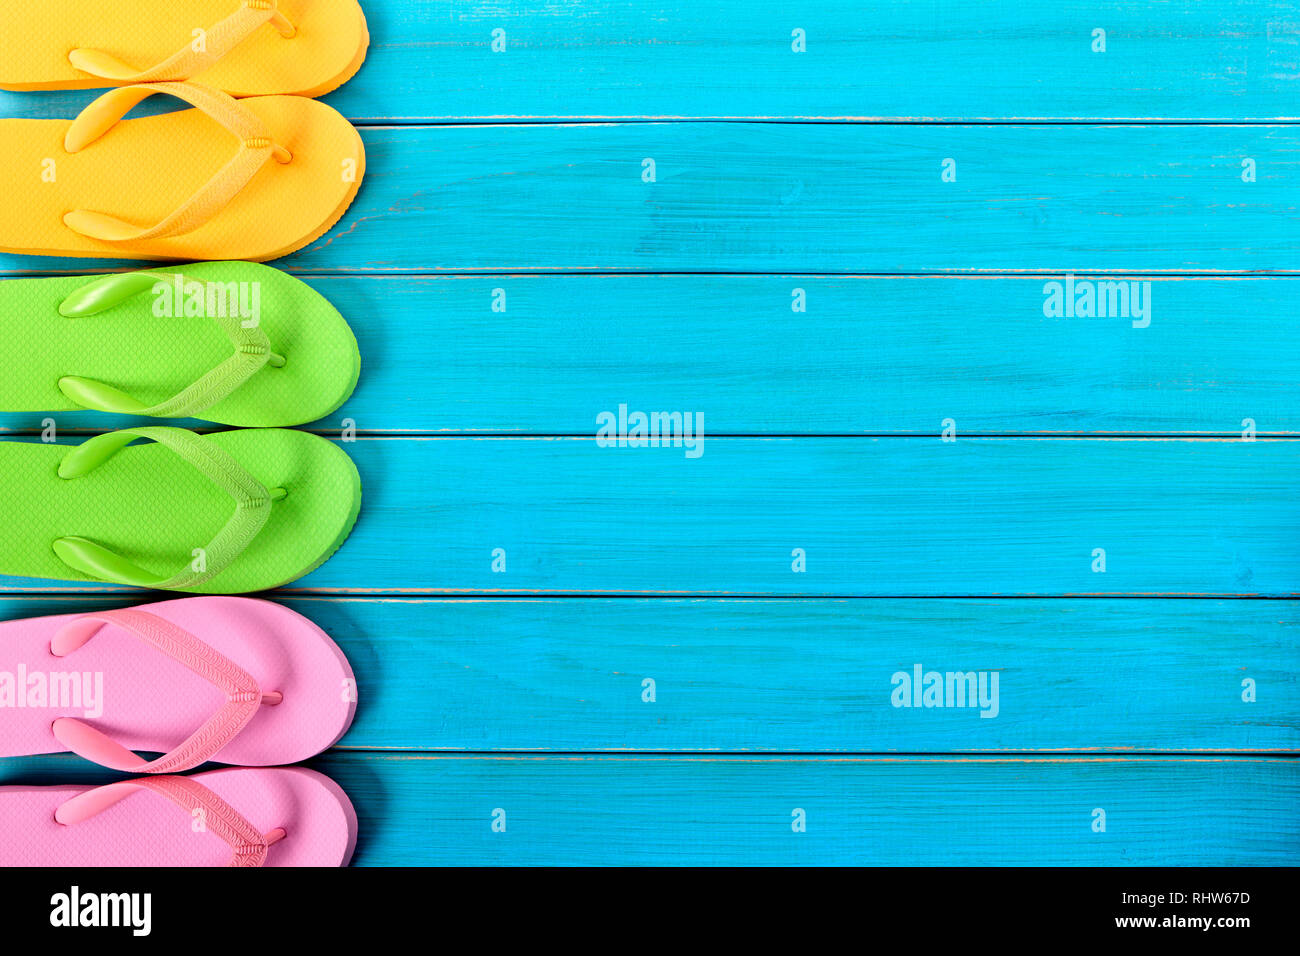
x=243, y=696
x=218, y=40
x=255, y=148
x=219, y=817
x=252, y=351
x=252, y=507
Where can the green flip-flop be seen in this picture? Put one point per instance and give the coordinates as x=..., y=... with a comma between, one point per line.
x=231, y=342
x=226, y=513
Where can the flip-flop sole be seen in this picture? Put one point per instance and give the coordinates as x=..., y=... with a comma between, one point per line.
x=145, y=829
x=154, y=509
x=144, y=169
x=151, y=348
x=326, y=50
x=150, y=702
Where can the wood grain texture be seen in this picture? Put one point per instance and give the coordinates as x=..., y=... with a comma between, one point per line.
x=892, y=355
x=918, y=811
x=821, y=198
x=620, y=810
x=804, y=675
x=432, y=60
x=874, y=517
x=924, y=303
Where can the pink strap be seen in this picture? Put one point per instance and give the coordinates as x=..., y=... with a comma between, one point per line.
x=243, y=696
x=187, y=793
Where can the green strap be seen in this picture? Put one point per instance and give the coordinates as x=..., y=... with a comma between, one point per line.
x=252, y=508
x=252, y=352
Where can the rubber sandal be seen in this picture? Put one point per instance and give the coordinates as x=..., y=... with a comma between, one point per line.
x=286, y=816
x=178, y=345
x=231, y=179
x=161, y=516
x=253, y=48
x=232, y=680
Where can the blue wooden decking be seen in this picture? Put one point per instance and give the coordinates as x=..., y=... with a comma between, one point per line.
x=836, y=257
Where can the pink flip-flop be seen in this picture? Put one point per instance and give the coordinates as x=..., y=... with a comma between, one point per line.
x=286, y=816
x=235, y=680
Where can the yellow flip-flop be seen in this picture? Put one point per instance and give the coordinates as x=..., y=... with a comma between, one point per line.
x=168, y=186
x=248, y=48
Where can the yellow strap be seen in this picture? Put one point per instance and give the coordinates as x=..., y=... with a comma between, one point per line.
x=196, y=56
x=255, y=148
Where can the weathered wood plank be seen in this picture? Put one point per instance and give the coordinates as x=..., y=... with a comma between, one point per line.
x=544, y=354
x=862, y=516
x=808, y=675
x=917, y=60
x=920, y=811
x=821, y=198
